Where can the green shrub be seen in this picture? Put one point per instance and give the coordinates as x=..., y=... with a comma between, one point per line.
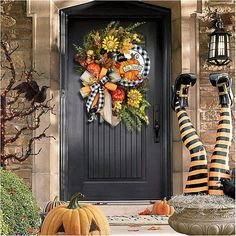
x=20, y=212
x=3, y=225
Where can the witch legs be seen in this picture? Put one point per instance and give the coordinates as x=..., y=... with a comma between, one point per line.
x=197, y=181
x=219, y=166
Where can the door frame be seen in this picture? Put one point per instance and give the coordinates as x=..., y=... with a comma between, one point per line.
x=144, y=11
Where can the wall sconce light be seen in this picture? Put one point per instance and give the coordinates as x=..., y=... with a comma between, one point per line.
x=219, y=52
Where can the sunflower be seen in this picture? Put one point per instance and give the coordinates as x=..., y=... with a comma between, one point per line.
x=126, y=46
x=110, y=43
x=134, y=98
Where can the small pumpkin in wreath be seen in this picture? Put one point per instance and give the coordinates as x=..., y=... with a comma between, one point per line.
x=94, y=69
x=76, y=219
x=52, y=204
x=162, y=208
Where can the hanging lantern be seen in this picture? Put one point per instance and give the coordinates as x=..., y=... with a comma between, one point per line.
x=219, y=53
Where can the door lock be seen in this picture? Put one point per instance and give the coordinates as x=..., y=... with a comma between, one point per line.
x=156, y=123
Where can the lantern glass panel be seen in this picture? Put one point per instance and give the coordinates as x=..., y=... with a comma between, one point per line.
x=221, y=45
x=212, y=46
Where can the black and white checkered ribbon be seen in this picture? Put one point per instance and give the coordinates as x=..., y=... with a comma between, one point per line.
x=143, y=53
x=126, y=83
x=97, y=88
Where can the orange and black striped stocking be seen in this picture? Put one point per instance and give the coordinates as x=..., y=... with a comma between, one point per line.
x=197, y=181
x=219, y=166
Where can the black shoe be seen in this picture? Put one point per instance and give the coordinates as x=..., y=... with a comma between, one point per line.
x=180, y=89
x=223, y=83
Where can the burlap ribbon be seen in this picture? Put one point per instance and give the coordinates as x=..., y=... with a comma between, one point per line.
x=99, y=99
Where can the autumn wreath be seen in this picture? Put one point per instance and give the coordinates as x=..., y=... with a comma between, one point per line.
x=113, y=70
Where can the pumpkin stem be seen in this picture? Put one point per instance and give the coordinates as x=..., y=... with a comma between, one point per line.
x=56, y=199
x=74, y=201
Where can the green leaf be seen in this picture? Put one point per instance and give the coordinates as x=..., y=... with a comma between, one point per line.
x=133, y=26
x=145, y=103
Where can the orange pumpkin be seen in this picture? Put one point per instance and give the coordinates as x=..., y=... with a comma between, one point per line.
x=162, y=208
x=94, y=69
x=131, y=74
x=76, y=219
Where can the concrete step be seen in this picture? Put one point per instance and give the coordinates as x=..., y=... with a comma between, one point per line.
x=126, y=208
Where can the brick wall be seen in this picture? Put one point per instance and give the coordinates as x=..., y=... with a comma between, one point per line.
x=18, y=34
x=209, y=102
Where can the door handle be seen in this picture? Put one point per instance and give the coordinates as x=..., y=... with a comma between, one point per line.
x=156, y=130
x=156, y=124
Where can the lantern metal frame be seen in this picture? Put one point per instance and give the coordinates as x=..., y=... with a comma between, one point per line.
x=219, y=46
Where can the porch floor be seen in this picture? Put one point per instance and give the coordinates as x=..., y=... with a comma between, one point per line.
x=143, y=230
x=132, y=208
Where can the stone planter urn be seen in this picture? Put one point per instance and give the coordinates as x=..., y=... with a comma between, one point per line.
x=203, y=215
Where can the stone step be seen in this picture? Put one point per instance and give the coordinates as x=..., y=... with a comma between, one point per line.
x=123, y=208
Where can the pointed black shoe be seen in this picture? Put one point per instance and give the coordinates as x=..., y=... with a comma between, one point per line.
x=180, y=89
x=223, y=83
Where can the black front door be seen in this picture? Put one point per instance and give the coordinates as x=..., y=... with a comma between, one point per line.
x=110, y=163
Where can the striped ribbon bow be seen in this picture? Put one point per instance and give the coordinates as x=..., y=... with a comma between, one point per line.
x=97, y=88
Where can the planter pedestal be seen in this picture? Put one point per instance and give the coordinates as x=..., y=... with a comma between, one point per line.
x=192, y=221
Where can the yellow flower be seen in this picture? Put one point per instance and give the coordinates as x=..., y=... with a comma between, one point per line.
x=110, y=43
x=126, y=46
x=134, y=98
x=117, y=105
x=136, y=38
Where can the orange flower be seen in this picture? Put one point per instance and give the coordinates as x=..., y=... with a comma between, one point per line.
x=118, y=95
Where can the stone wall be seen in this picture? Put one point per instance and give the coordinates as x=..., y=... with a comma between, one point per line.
x=209, y=102
x=16, y=28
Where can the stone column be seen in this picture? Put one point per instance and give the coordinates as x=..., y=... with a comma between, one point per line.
x=46, y=46
x=45, y=172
